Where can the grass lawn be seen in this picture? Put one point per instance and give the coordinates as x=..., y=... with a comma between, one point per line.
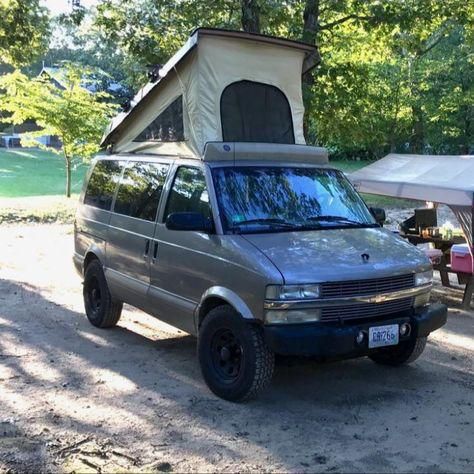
x=30, y=172
x=348, y=166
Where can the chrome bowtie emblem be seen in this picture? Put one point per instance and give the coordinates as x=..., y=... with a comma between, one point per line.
x=365, y=257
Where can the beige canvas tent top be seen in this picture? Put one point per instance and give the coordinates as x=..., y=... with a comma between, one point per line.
x=220, y=86
x=442, y=179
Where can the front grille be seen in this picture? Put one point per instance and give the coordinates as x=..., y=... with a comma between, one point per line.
x=365, y=310
x=374, y=286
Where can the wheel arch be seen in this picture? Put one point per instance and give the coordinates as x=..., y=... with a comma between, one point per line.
x=92, y=253
x=217, y=296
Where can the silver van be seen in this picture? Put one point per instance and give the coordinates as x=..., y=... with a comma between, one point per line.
x=257, y=250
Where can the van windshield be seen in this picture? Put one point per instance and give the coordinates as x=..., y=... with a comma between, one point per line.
x=277, y=199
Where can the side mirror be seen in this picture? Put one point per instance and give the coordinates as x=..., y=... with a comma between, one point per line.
x=193, y=221
x=379, y=215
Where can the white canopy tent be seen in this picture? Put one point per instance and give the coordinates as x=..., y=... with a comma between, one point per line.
x=442, y=179
x=220, y=86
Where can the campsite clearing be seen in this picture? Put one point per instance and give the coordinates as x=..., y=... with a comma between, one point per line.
x=32, y=172
x=138, y=390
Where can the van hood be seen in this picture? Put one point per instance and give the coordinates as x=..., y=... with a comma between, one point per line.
x=336, y=254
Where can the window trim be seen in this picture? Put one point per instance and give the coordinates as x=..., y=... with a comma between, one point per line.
x=131, y=163
x=264, y=84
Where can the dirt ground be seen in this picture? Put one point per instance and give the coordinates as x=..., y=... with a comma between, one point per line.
x=77, y=398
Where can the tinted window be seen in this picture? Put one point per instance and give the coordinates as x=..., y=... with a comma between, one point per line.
x=189, y=193
x=256, y=199
x=101, y=187
x=167, y=127
x=140, y=190
x=255, y=112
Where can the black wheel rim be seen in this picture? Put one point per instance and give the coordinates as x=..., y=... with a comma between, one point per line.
x=94, y=295
x=226, y=355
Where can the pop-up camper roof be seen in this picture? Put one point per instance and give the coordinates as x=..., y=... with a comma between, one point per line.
x=220, y=86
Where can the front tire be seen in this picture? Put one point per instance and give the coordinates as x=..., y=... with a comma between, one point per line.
x=102, y=310
x=403, y=353
x=235, y=360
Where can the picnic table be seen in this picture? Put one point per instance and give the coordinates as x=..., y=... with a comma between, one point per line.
x=444, y=266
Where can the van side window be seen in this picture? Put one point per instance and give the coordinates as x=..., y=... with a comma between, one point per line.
x=140, y=190
x=101, y=187
x=189, y=193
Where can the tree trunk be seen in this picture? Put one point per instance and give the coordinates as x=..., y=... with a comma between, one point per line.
x=68, y=175
x=467, y=134
x=393, y=135
x=310, y=21
x=466, y=112
x=310, y=35
x=417, y=142
x=250, y=16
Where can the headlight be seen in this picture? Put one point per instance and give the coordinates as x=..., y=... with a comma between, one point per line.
x=290, y=316
x=292, y=292
x=424, y=278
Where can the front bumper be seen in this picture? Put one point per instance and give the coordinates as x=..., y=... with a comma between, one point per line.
x=336, y=340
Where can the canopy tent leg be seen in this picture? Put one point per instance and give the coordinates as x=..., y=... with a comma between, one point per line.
x=466, y=300
x=444, y=278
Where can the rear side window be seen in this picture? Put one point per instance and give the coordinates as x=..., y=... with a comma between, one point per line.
x=140, y=190
x=189, y=193
x=101, y=187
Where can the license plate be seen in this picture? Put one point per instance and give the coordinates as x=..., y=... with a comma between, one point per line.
x=381, y=336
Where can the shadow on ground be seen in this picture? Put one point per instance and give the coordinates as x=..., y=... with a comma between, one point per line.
x=138, y=391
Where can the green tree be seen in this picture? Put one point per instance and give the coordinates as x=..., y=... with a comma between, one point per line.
x=73, y=114
x=149, y=32
x=83, y=43
x=388, y=69
x=395, y=74
x=24, y=31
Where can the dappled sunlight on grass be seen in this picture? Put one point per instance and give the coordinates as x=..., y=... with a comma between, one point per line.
x=30, y=154
x=38, y=209
x=36, y=172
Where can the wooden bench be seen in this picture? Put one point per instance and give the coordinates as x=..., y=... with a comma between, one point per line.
x=463, y=279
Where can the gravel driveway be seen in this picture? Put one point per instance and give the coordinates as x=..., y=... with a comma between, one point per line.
x=73, y=397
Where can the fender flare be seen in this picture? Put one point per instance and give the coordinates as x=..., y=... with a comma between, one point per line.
x=227, y=295
x=97, y=251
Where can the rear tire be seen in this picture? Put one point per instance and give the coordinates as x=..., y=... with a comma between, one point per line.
x=102, y=310
x=235, y=360
x=403, y=353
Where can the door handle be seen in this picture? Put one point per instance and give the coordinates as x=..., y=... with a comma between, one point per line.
x=155, y=251
x=147, y=249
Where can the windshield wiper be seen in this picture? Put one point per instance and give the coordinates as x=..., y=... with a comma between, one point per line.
x=263, y=220
x=270, y=222
x=341, y=219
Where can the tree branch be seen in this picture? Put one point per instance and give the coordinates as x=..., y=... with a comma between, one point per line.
x=344, y=19
x=435, y=38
